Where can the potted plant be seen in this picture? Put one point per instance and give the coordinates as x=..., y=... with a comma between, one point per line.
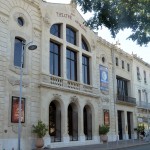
x=103, y=130
x=40, y=130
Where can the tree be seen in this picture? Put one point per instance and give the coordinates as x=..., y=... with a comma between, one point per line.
x=120, y=14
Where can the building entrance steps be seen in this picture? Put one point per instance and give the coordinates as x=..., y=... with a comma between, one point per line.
x=107, y=146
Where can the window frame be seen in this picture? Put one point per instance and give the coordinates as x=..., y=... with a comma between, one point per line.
x=69, y=38
x=58, y=55
x=57, y=31
x=22, y=48
x=70, y=60
x=85, y=74
x=117, y=62
x=123, y=64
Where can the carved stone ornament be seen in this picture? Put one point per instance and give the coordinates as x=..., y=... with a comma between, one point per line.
x=74, y=99
x=14, y=81
x=57, y=96
x=105, y=99
x=4, y=20
x=46, y=19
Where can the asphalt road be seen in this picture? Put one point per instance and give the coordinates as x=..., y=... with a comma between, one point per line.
x=142, y=147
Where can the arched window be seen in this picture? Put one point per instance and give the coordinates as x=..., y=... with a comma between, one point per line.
x=55, y=30
x=84, y=45
x=18, y=48
x=70, y=35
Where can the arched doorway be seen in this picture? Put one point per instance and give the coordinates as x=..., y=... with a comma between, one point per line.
x=73, y=122
x=55, y=121
x=87, y=116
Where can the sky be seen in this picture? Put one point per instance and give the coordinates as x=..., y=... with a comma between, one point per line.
x=126, y=45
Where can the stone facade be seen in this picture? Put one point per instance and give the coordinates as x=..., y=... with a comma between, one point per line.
x=43, y=91
x=141, y=73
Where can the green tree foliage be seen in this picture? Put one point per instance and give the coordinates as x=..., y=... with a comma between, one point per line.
x=120, y=14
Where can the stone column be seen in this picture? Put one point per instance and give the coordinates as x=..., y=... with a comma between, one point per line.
x=125, y=126
x=64, y=126
x=80, y=125
x=63, y=53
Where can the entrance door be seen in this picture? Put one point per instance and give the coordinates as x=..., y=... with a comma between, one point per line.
x=120, y=125
x=54, y=122
x=129, y=124
x=87, y=123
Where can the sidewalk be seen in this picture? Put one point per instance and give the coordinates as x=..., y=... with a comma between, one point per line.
x=107, y=146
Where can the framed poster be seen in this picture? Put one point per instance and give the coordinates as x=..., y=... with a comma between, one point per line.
x=104, y=78
x=15, y=110
x=106, y=117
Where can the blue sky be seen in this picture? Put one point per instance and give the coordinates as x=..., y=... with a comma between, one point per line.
x=127, y=45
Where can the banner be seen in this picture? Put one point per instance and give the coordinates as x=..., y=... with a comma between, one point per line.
x=104, y=78
x=15, y=110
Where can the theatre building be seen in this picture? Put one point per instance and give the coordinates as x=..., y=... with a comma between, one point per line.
x=67, y=82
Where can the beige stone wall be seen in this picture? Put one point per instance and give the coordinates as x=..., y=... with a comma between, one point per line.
x=39, y=87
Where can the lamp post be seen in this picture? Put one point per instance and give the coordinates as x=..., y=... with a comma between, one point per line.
x=31, y=47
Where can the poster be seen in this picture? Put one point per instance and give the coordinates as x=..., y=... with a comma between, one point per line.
x=104, y=78
x=106, y=117
x=15, y=110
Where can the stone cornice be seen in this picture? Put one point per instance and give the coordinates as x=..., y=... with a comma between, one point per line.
x=140, y=60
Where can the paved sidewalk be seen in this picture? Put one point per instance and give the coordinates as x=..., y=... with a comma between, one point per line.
x=107, y=146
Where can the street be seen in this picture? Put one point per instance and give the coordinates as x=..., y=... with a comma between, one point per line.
x=104, y=147
x=142, y=147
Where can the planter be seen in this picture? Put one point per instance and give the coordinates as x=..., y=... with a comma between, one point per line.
x=104, y=138
x=39, y=143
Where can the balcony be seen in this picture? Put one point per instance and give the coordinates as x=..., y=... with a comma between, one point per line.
x=125, y=100
x=143, y=104
x=68, y=85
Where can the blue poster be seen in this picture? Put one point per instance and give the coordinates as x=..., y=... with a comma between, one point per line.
x=103, y=78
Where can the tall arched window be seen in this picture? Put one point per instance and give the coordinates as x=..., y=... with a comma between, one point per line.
x=55, y=30
x=84, y=45
x=70, y=35
x=18, y=48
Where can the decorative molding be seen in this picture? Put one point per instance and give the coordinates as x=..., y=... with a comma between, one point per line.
x=73, y=3
x=74, y=99
x=57, y=96
x=33, y=2
x=46, y=19
x=4, y=20
x=14, y=81
x=105, y=99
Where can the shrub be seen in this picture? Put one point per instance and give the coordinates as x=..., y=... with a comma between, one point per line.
x=40, y=129
x=103, y=129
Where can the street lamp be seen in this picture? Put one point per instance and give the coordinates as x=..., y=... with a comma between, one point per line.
x=31, y=47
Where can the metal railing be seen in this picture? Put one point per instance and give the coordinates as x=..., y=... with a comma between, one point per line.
x=143, y=104
x=126, y=99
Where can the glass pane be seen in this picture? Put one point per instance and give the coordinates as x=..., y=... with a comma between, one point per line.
x=68, y=53
x=68, y=69
x=70, y=35
x=17, y=52
x=56, y=65
x=72, y=70
x=72, y=55
x=51, y=63
x=55, y=30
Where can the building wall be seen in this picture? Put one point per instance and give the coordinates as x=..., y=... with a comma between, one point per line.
x=143, y=103
x=40, y=88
